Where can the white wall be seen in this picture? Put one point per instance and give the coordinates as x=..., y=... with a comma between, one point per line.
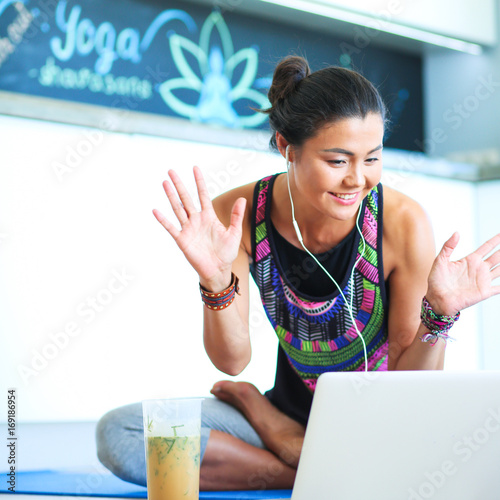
x=488, y=194
x=62, y=242
x=462, y=19
x=64, y=238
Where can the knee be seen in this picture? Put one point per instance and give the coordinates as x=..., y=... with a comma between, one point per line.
x=120, y=443
x=108, y=428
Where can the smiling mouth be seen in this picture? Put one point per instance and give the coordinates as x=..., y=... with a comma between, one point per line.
x=345, y=196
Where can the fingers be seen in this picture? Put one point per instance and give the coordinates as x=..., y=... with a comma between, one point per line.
x=187, y=202
x=495, y=273
x=493, y=259
x=205, y=201
x=237, y=214
x=177, y=207
x=173, y=231
x=185, y=207
x=449, y=246
x=490, y=245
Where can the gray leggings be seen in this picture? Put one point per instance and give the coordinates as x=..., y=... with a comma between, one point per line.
x=120, y=436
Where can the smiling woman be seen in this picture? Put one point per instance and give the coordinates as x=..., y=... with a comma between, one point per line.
x=341, y=163
x=374, y=298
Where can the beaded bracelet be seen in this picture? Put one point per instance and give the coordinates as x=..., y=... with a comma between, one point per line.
x=438, y=324
x=220, y=300
x=434, y=337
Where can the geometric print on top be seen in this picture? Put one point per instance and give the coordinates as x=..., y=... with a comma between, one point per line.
x=316, y=333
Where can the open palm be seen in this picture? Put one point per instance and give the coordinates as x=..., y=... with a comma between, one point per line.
x=467, y=281
x=208, y=245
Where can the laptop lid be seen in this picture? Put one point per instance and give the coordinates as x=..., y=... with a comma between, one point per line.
x=409, y=435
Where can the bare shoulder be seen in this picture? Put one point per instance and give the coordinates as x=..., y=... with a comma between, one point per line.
x=407, y=228
x=400, y=208
x=223, y=205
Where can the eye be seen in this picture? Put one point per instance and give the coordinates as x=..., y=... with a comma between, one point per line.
x=336, y=162
x=372, y=160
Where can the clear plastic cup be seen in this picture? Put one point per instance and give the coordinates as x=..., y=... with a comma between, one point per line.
x=172, y=442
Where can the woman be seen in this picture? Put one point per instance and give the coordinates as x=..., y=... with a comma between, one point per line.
x=355, y=305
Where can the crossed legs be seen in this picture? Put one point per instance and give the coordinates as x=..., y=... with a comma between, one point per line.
x=227, y=458
x=259, y=451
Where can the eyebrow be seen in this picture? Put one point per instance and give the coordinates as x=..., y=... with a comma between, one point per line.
x=345, y=152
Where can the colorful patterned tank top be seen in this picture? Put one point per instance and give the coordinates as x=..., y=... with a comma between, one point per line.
x=317, y=334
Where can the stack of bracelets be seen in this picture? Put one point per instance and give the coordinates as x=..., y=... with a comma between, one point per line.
x=438, y=324
x=220, y=300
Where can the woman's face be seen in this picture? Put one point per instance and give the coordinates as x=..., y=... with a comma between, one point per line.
x=334, y=170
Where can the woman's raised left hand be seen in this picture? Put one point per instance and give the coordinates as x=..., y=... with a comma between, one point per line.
x=453, y=286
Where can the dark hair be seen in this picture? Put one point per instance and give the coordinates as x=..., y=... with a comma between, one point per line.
x=302, y=102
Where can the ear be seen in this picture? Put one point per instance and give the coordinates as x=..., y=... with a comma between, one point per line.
x=282, y=143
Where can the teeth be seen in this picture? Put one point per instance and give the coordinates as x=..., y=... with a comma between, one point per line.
x=345, y=196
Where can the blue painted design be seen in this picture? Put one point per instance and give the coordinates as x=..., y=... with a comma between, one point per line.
x=216, y=65
x=5, y=3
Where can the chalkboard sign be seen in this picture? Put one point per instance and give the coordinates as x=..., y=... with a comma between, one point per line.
x=181, y=59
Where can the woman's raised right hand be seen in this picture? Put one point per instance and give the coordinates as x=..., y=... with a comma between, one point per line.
x=208, y=245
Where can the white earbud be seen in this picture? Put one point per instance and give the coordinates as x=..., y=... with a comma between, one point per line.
x=301, y=240
x=294, y=222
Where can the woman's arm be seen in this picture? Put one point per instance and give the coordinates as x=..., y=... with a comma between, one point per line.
x=448, y=286
x=211, y=240
x=225, y=333
x=411, y=251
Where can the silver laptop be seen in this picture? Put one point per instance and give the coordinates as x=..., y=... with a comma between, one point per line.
x=402, y=436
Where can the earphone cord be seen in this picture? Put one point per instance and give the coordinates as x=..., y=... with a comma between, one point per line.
x=349, y=306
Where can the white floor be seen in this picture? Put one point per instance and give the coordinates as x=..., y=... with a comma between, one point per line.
x=55, y=446
x=43, y=446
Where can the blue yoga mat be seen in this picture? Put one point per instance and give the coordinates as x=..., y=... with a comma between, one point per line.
x=61, y=482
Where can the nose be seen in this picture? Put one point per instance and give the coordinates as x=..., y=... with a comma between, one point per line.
x=355, y=175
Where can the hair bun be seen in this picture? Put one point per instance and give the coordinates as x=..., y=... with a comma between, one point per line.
x=289, y=72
